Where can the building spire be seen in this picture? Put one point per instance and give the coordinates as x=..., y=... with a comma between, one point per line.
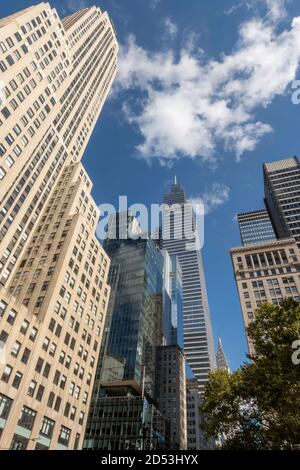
x=222, y=362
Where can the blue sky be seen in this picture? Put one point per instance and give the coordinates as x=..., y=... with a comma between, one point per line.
x=204, y=92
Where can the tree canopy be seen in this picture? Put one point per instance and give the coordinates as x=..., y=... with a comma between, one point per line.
x=258, y=406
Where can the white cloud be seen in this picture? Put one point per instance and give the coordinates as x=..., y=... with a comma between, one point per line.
x=170, y=27
x=69, y=6
x=276, y=9
x=213, y=198
x=192, y=107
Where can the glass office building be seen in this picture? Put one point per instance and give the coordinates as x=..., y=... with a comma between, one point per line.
x=125, y=423
x=178, y=219
x=256, y=227
x=134, y=312
x=133, y=331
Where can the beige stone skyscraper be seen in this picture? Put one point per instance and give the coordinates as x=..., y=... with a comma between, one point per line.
x=265, y=273
x=56, y=76
x=267, y=265
x=53, y=271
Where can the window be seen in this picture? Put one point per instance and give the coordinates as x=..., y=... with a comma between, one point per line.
x=27, y=418
x=24, y=327
x=6, y=373
x=57, y=404
x=5, y=406
x=16, y=349
x=39, y=364
x=17, y=380
x=52, y=349
x=18, y=443
x=11, y=317
x=3, y=306
x=3, y=336
x=25, y=356
x=33, y=334
x=73, y=413
x=46, y=370
x=40, y=393
x=64, y=436
x=47, y=427
x=2, y=173
x=31, y=388
x=50, y=400
x=81, y=418
x=46, y=343
x=56, y=377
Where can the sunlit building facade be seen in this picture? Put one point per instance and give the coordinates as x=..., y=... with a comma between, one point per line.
x=53, y=271
x=179, y=237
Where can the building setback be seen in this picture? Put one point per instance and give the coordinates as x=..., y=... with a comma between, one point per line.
x=53, y=271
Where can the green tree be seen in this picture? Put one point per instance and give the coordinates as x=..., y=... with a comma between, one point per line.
x=258, y=406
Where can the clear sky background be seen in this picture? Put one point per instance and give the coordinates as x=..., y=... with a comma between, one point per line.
x=204, y=92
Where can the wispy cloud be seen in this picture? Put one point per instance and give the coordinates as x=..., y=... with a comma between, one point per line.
x=69, y=6
x=213, y=198
x=192, y=107
x=153, y=4
x=276, y=9
x=170, y=27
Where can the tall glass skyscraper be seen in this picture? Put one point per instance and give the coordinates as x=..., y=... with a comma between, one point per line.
x=134, y=312
x=198, y=337
x=125, y=384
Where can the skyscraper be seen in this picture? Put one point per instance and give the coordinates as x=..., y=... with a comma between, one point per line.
x=179, y=225
x=56, y=76
x=282, y=195
x=53, y=271
x=134, y=330
x=265, y=273
x=267, y=266
x=256, y=227
x=195, y=438
x=171, y=392
x=222, y=362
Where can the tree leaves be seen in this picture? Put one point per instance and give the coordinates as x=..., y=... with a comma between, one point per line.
x=258, y=406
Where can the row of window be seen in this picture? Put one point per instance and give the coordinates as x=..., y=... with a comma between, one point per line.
x=27, y=420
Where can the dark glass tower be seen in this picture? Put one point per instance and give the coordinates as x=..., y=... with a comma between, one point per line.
x=134, y=312
x=178, y=219
x=123, y=413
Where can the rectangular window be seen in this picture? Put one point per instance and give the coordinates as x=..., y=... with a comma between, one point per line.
x=27, y=418
x=47, y=427
x=5, y=406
